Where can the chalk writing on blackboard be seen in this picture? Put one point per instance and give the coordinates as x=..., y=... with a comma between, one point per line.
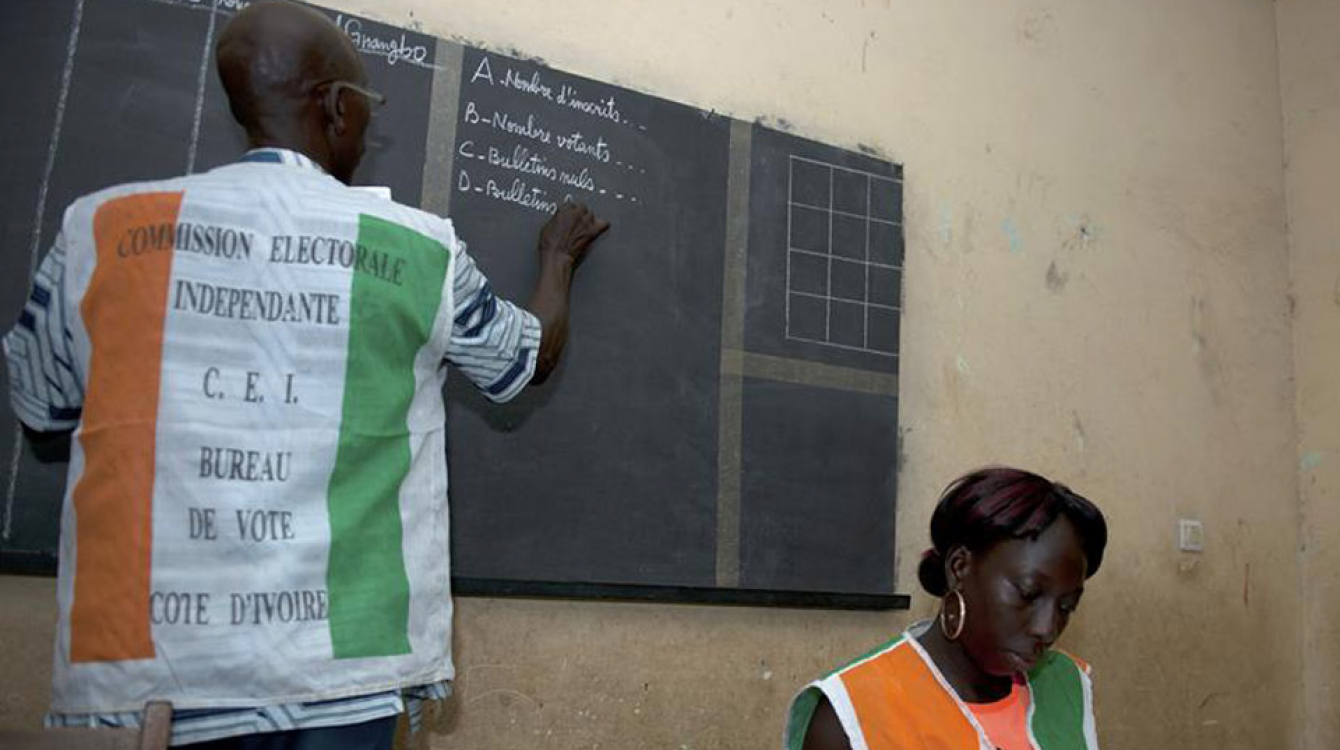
x=225, y=6
x=524, y=149
x=843, y=274
x=394, y=49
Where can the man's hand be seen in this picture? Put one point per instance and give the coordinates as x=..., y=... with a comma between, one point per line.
x=569, y=232
x=564, y=241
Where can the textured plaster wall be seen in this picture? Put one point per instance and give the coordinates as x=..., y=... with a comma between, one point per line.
x=1310, y=88
x=1097, y=287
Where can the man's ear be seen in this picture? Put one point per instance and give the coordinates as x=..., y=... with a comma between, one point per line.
x=958, y=565
x=332, y=105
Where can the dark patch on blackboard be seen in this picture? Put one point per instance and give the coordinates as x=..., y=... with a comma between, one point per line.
x=817, y=488
x=607, y=474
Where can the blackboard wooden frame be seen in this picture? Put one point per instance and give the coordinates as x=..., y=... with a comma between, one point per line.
x=44, y=565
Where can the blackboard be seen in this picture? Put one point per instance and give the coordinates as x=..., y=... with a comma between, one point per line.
x=723, y=427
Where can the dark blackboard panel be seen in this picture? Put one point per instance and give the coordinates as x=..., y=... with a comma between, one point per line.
x=606, y=482
x=32, y=46
x=135, y=67
x=825, y=254
x=127, y=116
x=33, y=35
x=132, y=97
x=817, y=488
x=608, y=473
x=34, y=527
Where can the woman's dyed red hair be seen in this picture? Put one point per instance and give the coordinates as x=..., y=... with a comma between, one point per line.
x=991, y=505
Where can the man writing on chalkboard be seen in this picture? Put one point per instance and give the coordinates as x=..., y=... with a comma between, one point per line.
x=255, y=527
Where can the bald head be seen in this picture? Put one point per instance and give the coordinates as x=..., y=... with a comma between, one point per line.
x=273, y=59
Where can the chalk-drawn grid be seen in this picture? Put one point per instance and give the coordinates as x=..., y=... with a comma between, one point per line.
x=844, y=262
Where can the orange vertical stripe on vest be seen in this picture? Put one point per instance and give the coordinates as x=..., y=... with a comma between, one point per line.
x=921, y=716
x=123, y=312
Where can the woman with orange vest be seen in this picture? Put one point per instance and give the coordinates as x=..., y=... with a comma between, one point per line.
x=1011, y=553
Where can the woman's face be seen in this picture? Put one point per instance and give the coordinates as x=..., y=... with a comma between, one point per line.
x=1019, y=595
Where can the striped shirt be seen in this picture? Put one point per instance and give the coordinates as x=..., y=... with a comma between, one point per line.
x=267, y=342
x=203, y=725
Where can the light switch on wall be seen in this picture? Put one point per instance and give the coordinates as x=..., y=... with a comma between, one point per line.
x=1190, y=535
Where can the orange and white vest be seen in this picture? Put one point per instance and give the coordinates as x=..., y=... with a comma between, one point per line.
x=895, y=698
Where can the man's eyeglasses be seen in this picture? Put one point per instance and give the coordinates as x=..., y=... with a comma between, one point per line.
x=375, y=99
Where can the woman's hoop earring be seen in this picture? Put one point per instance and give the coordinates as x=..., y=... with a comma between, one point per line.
x=962, y=615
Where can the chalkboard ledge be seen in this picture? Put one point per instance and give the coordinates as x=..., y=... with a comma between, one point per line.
x=677, y=594
x=43, y=564
x=25, y=563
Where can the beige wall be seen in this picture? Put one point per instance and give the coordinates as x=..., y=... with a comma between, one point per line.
x=1097, y=287
x=1310, y=88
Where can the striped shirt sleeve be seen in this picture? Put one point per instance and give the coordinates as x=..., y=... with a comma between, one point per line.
x=494, y=342
x=44, y=385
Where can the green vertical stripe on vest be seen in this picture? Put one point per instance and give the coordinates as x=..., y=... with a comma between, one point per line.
x=396, y=291
x=798, y=721
x=1058, y=703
